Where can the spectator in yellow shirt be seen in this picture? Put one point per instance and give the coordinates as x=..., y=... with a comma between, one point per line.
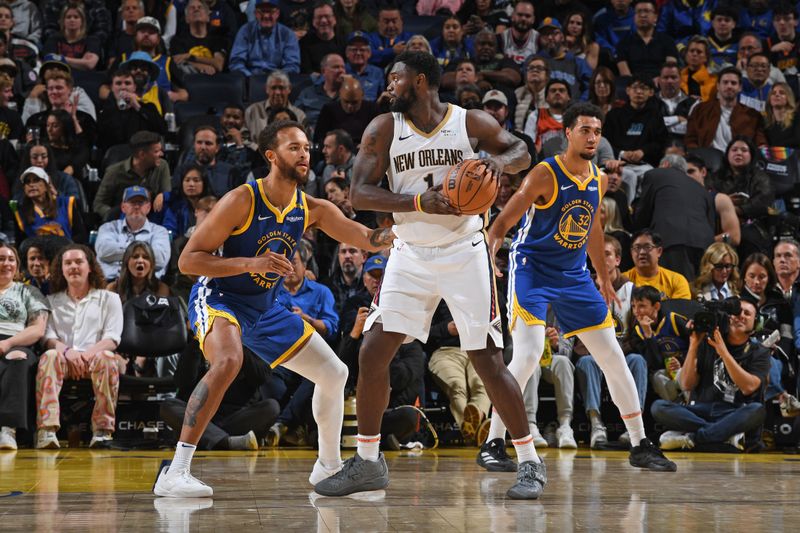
x=646, y=251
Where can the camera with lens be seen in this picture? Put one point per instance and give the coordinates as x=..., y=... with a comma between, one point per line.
x=716, y=314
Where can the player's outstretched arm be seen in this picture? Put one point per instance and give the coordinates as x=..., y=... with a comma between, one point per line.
x=509, y=153
x=537, y=187
x=330, y=219
x=370, y=166
x=595, y=248
x=231, y=213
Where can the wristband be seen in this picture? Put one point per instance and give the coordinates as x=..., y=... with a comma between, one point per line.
x=418, y=203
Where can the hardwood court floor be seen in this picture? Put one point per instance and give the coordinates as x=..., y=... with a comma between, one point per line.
x=442, y=491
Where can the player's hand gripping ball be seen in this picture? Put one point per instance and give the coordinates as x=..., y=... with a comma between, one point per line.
x=470, y=187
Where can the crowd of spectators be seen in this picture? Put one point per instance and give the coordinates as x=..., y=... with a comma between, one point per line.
x=123, y=121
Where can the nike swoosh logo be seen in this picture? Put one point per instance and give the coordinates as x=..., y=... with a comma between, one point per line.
x=406, y=137
x=474, y=244
x=563, y=188
x=185, y=446
x=263, y=218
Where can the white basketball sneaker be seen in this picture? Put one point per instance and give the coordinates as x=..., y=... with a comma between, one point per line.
x=320, y=472
x=181, y=484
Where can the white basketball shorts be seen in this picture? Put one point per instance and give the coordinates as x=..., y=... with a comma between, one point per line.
x=417, y=278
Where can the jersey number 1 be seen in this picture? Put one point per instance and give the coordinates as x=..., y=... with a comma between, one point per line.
x=429, y=180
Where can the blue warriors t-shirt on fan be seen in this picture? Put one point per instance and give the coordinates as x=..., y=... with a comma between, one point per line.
x=548, y=257
x=249, y=300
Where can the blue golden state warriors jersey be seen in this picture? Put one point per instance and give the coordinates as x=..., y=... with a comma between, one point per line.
x=267, y=228
x=552, y=238
x=668, y=336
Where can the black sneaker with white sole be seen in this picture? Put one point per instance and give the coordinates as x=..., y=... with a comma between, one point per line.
x=493, y=457
x=647, y=455
x=356, y=475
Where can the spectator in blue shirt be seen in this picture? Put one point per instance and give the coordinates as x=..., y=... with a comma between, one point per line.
x=264, y=44
x=311, y=300
x=358, y=53
x=612, y=23
x=683, y=20
x=390, y=39
x=326, y=89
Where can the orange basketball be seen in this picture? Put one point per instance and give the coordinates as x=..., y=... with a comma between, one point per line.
x=469, y=187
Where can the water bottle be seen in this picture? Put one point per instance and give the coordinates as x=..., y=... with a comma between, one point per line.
x=122, y=104
x=172, y=127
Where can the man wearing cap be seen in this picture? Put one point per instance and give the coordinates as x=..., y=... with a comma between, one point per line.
x=636, y=130
x=358, y=53
x=144, y=168
x=36, y=101
x=350, y=112
x=198, y=50
x=563, y=64
x=519, y=41
x=264, y=45
x=124, y=114
x=496, y=104
x=148, y=40
x=98, y=17
x=390, y=39
x=21, y=73
x=114, y=237
x=324, y=38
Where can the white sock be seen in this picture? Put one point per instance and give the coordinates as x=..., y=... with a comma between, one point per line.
x=319, y=364
x=182, y=461
x=528, y=346
x=564, y=420
x=635, y=426
x=603, y=345
x=525, y=450
x=368, y=447
x=594, y=419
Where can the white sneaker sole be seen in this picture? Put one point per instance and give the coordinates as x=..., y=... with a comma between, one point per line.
x=201, y=491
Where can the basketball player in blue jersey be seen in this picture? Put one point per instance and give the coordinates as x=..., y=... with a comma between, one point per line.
x=438, y=255
x=559, y=200
x=259, y=225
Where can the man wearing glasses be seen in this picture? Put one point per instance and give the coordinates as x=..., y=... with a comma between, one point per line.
x=357, y=53
x=756, y=86
x=646, y=250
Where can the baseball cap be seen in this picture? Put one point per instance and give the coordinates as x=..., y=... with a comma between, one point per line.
x=9, y=67
x=495, y=96
x=135, y=191
x=357, y=36
x=550, y=22
x=376, y=262
x=149, y=21
x=36, y=171
x=54, y=61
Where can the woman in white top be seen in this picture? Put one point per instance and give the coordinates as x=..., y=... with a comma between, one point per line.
x=84, y=330
x=23, y=318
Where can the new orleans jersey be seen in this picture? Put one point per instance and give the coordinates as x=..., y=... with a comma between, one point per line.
x=420, y=160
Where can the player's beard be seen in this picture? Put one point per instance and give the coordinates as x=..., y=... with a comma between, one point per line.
x=403, y=104
x=588, y=156
x=291, y=172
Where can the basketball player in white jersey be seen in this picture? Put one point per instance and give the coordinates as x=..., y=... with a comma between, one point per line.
x=437, y=254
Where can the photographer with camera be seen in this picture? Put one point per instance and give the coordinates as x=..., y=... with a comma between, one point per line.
x=725, y=373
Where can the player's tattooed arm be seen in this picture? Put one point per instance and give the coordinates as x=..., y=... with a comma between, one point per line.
x=196, y=402
x=381, y=238
x=369, y=168
x=509, y=153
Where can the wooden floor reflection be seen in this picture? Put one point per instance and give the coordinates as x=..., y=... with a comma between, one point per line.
x=442, y=491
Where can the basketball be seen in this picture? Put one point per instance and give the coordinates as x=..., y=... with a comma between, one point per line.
x=469, y=187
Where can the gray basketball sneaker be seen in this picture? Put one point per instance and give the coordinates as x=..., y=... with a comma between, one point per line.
x=356, y=475
x=531, y=479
